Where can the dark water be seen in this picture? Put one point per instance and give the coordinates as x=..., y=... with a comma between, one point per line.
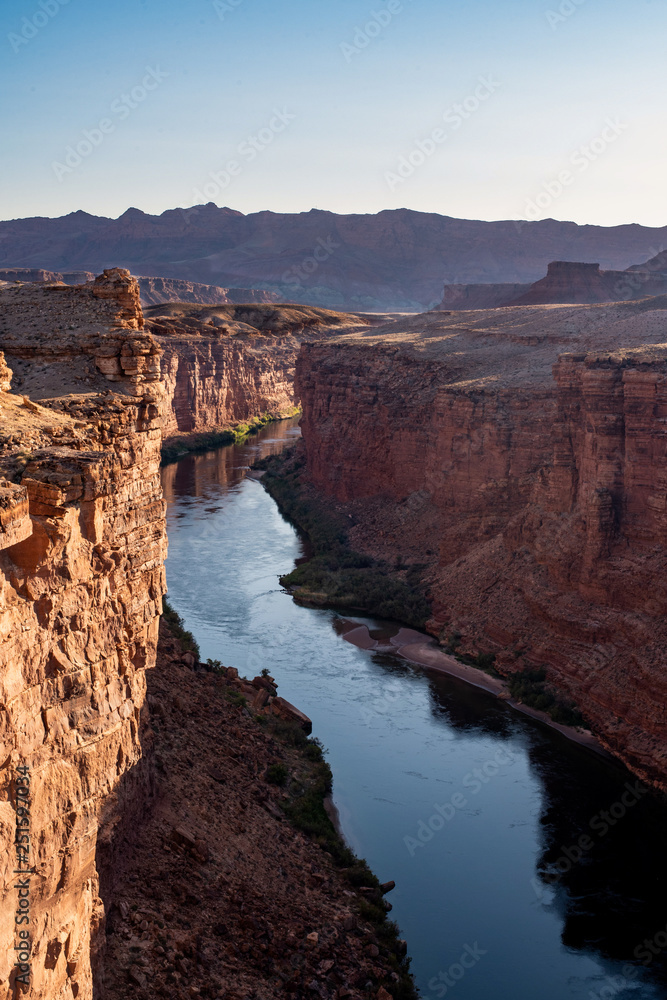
x=471, y=898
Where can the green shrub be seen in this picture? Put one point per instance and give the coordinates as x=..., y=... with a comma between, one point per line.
x=336, y=575
x=177, y=628
x=530, y=687
x=277, y=774
x=177, y=448
x=236, y=699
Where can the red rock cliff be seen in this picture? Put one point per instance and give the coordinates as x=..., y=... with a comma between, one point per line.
x=82, y=546
x=531, y=481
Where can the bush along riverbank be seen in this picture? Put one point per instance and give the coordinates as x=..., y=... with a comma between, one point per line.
x=335, y=575
x=176, y=448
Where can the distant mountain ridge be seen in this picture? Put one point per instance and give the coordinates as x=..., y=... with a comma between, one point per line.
x=394, y=260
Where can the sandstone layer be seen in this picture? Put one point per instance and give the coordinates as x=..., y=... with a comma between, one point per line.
x=520, y=454
x=82, y=546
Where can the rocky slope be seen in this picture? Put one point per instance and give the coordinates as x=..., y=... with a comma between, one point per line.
x=219, y=895
x=395, y=260
x=520, y=456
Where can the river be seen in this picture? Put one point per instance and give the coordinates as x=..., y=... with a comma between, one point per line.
x=460, y=799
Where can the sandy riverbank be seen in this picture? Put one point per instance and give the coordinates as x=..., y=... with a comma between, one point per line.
x=417, y=648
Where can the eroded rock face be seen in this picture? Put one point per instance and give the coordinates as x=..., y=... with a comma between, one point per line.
x=224, y=365
x=5, y=375
x=82, y=546
x=217, y=383
x=39, y=274
x=159, y=290
x=119, y=287
x=537, y=496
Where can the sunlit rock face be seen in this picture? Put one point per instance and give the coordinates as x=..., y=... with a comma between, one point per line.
x=82, y=547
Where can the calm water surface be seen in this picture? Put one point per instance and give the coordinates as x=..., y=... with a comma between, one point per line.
x=513, y=796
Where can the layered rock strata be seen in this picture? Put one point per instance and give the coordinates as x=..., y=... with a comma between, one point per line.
x=227, y=364
x=82, y=547
x=521, y=456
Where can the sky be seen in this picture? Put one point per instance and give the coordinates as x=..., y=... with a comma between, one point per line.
x=478, y=109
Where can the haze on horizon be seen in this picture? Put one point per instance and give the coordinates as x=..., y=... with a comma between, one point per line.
x=529, y=109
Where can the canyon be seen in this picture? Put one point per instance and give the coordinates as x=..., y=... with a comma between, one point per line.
x=82, y=550
x=517, y=456
x=514, y=458
x=392, y=261
x=222, y=365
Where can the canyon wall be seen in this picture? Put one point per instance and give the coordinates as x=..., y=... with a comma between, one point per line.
x=225, y=364
x=153, y=290
x=521, y=459
x=82, y=546
x=214, y=383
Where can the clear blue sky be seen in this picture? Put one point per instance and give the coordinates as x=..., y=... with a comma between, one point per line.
x=361, y=102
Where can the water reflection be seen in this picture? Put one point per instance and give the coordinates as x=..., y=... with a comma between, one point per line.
x=402, y=741
x=213, y=473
